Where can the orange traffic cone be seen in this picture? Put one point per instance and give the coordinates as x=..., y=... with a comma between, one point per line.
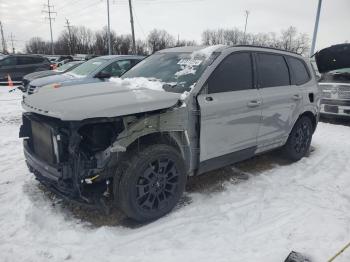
x=9, y=81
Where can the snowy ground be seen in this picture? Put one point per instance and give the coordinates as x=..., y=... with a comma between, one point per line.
x=302, y=206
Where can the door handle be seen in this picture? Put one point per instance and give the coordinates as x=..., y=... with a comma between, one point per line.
x=296, y=97
x=209, y=98
x=254, y=103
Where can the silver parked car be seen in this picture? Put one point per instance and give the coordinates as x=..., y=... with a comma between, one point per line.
x=334, y=64
x=59, y=70
x=132, y=142
x=95, y=70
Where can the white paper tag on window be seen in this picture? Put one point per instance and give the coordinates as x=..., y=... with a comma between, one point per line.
x=190, y=62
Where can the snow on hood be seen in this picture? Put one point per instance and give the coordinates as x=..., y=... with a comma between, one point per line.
x=109, y=99
x=333, y=58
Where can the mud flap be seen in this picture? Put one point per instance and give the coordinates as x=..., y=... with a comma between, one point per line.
x=297, y=257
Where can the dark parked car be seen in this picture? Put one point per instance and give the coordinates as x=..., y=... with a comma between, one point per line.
x=59, y=70
x=93, y=71
x=18, y=66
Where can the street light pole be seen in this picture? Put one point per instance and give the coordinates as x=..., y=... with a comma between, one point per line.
x=312, y=51
x=109, y=30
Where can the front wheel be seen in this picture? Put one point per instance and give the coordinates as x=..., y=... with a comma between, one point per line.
x=151, y=182
x=299, y=140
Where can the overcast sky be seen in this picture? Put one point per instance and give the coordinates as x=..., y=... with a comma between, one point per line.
x=187, y=18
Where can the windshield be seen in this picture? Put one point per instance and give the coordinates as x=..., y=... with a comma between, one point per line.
x=176, y=71
x=88, y=67
x=65, y=67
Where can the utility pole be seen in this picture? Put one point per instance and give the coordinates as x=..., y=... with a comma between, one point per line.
x=49, y=12
x=245, y=26
x=13, y=47
x=109, y=30
x=312, y=51
x=132, y=29
x=3, y=40
x=70, y=36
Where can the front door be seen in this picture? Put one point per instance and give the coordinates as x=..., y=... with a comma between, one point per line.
x=230, y=108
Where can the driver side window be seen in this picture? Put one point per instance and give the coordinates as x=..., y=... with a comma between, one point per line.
x=117, y=68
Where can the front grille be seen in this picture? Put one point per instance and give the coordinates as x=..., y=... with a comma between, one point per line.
x=344, y=91
x=31, y=89
x=335, y=90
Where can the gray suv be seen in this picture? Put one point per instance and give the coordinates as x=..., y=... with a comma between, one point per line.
x=132, y=142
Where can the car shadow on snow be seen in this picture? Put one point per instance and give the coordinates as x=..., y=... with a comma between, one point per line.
x=343, y=121
x=209, y=183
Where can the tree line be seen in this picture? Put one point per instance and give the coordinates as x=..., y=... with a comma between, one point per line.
x=82, y=40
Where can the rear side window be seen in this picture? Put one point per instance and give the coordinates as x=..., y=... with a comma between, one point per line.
x=8, y=61
x=25, y=60
x=273, y=71
x=234, y=73
x=300, y=73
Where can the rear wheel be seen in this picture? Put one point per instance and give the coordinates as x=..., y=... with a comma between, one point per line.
x=298, y=143
x=151, y=182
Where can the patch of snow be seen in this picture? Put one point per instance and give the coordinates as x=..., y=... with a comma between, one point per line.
x=302, y=206
x=207, y=51
x=189, y=66
x=139, y=82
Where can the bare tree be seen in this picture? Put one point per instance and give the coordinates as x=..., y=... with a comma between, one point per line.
x=160, y=39
x=38, y=46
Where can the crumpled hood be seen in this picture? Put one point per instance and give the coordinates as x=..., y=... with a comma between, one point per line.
x=39, y=74
x=333, y=58
x=61, y=78
x=79, y=102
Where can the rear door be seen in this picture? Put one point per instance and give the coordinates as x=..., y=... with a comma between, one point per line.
x=281, y=101
x=229, y=108
x=26, y=65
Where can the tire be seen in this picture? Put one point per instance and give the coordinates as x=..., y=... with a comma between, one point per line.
x=299, y=140
x=150, y=182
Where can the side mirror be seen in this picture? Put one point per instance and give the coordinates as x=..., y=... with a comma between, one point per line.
x=103, y=75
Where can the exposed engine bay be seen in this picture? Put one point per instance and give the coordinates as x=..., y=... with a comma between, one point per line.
x=73, y=152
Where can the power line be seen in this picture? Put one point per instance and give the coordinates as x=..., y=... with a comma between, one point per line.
x=132, y=29
x=70, y=36
x=3, y=40
x=49, y=12
x=12, y=40
x=245, y=26
x=109, y=30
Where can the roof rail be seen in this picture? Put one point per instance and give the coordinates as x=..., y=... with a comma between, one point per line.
x=266, y=47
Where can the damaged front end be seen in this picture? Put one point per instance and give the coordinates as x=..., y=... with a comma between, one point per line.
x=71, y=157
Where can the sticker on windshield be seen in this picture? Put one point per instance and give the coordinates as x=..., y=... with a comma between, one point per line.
x=190, y=62
x=96, y=63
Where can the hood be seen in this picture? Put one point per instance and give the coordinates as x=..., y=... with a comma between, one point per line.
x=40, y=74
x=58, y=78
x=79, y=102
x=333, y=58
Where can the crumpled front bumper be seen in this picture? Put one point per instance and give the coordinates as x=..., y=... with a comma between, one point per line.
x=51, y=178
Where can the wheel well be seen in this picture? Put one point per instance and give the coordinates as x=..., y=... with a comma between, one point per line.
x=312, y=117
x=175, y=139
